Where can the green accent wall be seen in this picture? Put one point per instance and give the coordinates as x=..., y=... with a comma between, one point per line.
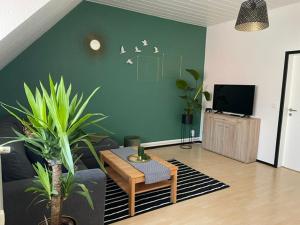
x=147, y=107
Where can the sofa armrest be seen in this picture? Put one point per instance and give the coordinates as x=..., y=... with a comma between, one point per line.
x=19, y=209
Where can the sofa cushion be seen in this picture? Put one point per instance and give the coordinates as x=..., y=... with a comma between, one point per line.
x=7, y=122
x=15, y=165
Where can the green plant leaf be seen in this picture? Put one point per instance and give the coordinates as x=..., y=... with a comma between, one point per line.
x=43, y=178
x=24, y=108
x=83, y=120
x=94, y=153
x=85, y=193
x=83, y=106
x=52, y=107
x=33, y=149
x=79, y=102
x=10, y=109
x=182, y=84
x=68, y=185
x=194, y=73
x=207, y=95
x=73, y=106
x=63, y=104
x=66, y=152
x=184, y=97
x=76, y=140
x=31, y=100
x=84, y=124
x=103, y=128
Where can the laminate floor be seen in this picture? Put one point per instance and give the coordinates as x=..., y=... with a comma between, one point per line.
x=258, y=194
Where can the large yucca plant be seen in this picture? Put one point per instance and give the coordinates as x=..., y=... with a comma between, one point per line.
x=54, y=121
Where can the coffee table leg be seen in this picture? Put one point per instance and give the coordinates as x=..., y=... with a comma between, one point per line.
x=174, y=189
x=132, y=198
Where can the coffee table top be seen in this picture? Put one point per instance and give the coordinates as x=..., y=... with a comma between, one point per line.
x=127, y=171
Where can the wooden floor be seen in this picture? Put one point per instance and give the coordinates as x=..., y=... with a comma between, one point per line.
x=259, y=194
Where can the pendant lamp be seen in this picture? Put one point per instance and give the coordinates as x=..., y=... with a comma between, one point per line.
x=253, y=16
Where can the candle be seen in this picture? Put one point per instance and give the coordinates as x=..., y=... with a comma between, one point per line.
x=141, y=151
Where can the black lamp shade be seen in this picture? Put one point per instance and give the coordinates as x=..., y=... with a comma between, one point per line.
x=253, y=16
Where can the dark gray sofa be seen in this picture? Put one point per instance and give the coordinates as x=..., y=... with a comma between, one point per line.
x=17, y=175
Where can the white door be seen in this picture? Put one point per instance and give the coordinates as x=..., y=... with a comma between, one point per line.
x=291, y=156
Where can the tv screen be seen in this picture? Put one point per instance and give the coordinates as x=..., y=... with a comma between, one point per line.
x=234, y=98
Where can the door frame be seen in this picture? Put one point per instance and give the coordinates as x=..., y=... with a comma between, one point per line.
x=282, y=98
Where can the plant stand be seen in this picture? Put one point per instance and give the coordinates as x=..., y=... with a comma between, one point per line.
x=186, y=128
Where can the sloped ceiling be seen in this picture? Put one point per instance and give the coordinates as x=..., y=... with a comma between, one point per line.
x=23, y=30
x=14, y=12
x=198, y=12
x=23, y=22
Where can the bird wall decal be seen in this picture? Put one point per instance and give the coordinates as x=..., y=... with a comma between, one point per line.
x=137, y=49
x=129, y=61
x=122, y=50
x=145, y=43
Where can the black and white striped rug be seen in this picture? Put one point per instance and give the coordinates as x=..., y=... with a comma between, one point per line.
x=191, y=183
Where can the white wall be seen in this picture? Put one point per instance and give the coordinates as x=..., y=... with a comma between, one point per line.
x=234, y=57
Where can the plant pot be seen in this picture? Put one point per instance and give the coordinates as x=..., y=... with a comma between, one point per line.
x=65, y=220
x=187, y=118
x=132, y=141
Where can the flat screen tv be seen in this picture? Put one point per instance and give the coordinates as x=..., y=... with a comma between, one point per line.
x=234, y=98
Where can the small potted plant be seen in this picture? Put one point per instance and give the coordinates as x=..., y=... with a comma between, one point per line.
x=192, y=95
x=54, y=124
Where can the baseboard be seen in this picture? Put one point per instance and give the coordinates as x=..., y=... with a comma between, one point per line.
x=158, y=144
x=266, y=163
x=167, y=142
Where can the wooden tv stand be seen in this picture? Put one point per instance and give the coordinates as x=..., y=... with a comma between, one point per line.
x=231, y=136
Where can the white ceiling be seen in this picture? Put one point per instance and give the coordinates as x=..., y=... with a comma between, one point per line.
x=12, y=13
x=198, y=12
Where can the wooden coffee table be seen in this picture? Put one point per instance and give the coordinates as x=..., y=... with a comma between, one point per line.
x=132, y=181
